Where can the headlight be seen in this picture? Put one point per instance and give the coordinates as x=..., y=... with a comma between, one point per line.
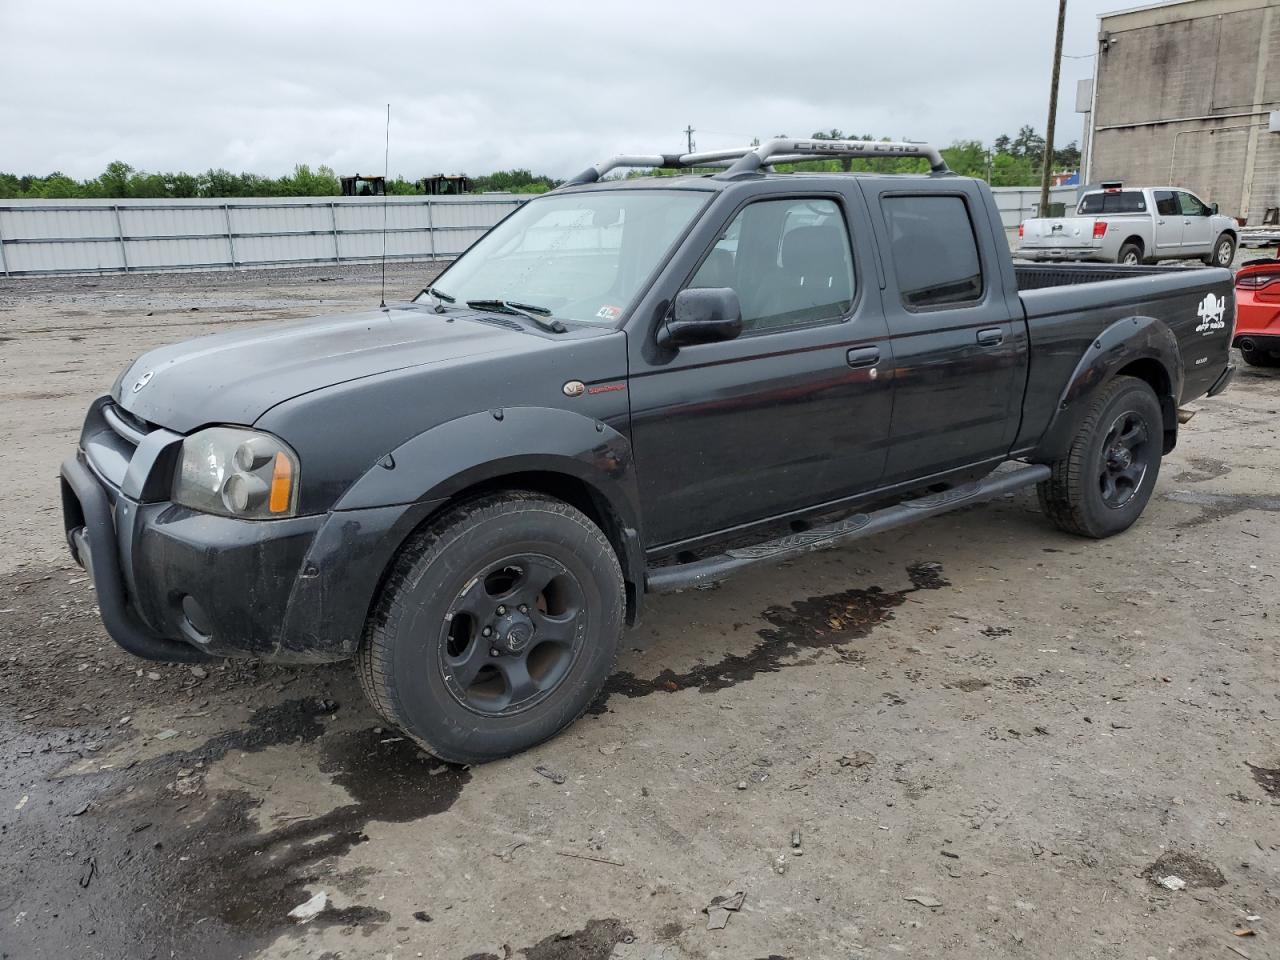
x=237, y=473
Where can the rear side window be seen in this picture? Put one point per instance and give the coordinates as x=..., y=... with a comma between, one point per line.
x=1166, y=203
x=935, y=252
x=1117, y=201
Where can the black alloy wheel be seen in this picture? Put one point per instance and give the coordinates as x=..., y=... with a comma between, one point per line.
x=512, y=635
x=1125, y=453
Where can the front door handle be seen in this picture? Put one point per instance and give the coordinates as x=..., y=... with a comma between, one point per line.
x=863, y=357
x=991, y=337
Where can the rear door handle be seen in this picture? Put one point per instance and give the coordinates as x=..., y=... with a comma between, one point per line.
x=991, y=337
x=863, y=357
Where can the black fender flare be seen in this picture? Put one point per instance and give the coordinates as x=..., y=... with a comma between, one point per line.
x=446, y=459
x=1119, y=345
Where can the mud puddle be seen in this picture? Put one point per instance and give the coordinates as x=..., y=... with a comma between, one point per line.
x=1218, y=506
x=145, y=863
x=817, y=623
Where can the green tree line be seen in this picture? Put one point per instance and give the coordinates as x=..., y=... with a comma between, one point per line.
x=120, y=181
x=1009, y=162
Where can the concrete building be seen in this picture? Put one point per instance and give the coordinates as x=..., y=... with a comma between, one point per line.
x=1188, y=93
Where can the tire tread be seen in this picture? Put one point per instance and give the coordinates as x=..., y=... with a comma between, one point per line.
x=1060, y=495
x=373, y=658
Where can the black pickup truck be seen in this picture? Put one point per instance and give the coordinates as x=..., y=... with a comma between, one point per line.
x=626, y=386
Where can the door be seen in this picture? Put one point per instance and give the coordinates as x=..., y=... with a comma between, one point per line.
x=792, y=413
x=1168, y=223
x=1197, y=230
x=959, y=357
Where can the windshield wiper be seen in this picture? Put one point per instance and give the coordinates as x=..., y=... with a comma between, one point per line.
x=440, y=296
x=540, y=316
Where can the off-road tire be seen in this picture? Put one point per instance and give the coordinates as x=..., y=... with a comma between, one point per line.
x=1261, y=358
x=399, y=655
x=1072, y=497
x=1126, y=250
x=1224, y=251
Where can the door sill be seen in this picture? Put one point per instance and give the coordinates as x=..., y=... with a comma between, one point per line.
x=701, y=573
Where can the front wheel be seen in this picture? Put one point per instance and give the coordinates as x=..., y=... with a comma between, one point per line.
x=1224, y=251
x=496, y=628
x=1104, y=482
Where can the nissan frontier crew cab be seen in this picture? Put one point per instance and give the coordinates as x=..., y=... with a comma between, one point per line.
x=1117, y=224
x=625, y=387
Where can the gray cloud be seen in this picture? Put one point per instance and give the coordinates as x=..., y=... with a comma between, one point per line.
x=476, y=87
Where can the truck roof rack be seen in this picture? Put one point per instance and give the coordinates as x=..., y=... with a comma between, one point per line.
x=743, y=161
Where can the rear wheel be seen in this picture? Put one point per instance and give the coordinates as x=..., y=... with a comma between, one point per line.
x=1130, y=255
x=1104, y=482
x=1224, y=251
x=496, y=628
x=1261, y=358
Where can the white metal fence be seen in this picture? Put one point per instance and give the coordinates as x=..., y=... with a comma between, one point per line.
x=120, y=236
x=1019, y=203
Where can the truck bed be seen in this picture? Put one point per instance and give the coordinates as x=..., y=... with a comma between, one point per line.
x=1069, y=308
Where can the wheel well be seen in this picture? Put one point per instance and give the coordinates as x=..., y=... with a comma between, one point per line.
x=578, y=494
x=1137, y=242
x=1153, y=373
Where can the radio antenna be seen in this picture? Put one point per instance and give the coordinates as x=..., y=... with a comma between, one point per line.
x=386, y=171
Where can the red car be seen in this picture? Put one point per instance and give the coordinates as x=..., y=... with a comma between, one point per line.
x=1258, y=313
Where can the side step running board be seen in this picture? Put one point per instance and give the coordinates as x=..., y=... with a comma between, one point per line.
x=699, y=573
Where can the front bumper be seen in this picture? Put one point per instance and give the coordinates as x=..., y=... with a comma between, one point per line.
x=178, y=585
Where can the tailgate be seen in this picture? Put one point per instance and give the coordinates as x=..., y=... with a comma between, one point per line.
x=1049, y=233
x=1204, y=322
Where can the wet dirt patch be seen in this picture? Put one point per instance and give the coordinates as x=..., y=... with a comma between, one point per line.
x=1201, y=469
x=1268, y=779
x=1196, y=871
x=257, y=878
x=817, y=623
x=195, y=874
x=595, y=941
x=1218, y=506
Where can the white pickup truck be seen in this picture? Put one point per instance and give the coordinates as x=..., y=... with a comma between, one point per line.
x=1138, y=225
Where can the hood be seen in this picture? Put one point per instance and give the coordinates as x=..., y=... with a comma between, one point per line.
x=237, y=377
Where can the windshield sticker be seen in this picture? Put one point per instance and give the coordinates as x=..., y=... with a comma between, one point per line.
x=1211, y=312
x=608, y=312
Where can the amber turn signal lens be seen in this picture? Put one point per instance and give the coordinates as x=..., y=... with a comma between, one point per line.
x=281, y=485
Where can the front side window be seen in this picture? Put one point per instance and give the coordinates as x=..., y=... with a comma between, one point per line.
x=580, y=256
x=935, y=252
x=789, y=261
x=1113, y=201
x=1192, y=207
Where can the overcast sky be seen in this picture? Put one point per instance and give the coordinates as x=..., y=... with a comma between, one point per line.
x=259, y=86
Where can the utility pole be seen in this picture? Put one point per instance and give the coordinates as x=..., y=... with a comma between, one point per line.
x=1053, y=112
x=688, y=133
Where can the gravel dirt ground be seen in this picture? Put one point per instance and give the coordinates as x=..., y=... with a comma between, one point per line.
x=977, y=737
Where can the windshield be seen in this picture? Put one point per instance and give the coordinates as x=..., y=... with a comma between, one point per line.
x=578, y=256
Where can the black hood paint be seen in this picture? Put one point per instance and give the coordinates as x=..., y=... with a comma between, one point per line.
x=238, y=376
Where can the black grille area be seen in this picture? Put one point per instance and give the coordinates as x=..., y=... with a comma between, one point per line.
x=125, y=425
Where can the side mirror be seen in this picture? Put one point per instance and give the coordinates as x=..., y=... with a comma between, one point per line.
x=705, y=315
x=1213, y=209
